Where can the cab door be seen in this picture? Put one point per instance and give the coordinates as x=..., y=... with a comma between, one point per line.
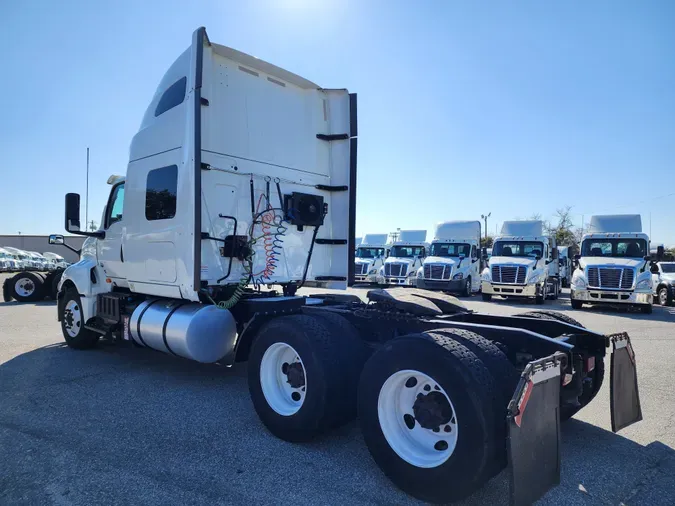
x=109, y=249
x=475, y=269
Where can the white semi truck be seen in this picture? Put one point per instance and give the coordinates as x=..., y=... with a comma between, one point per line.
x=405, y=257
x=454, y=261
x=524, y=263
x=243, y=174
x=370, y=257
x=614, y=265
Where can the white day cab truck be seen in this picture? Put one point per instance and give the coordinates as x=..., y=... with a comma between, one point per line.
x=405, y=257
x=454, y=263
x=614, y=265
x=370, y=257
x=524, y=263
x=243, y=175
x=37, y=284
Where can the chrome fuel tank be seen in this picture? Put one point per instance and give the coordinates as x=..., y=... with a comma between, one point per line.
x=188, y=329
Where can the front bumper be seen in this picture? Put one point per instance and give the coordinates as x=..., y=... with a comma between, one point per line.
x=509, y=290
x=407, y=281
x=372, y=278
x=447, y=285
x=591, y=295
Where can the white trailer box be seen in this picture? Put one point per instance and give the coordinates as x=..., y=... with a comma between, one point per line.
x=370, y=257
x=406, y=256
x=524, y=263
x=614, y=265
x=454, y=262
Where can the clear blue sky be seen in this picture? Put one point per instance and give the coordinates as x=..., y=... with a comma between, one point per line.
x=464, y=107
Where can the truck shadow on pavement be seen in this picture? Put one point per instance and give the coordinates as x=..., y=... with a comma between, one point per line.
x=41, y=303
x=178, y=432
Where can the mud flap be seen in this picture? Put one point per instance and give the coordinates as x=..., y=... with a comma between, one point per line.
x=534, y=430
x=623, y=387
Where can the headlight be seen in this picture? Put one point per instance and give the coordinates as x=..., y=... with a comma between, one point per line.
x=644, y=284
x=534, y=278
x=578, y=280
x=420, y=272
x=485, y=275
x=458, y=276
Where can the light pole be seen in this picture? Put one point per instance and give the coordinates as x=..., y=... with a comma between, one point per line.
x=485, y=218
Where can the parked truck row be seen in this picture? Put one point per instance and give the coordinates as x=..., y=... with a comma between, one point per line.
x=38, y=274
x=219, y=200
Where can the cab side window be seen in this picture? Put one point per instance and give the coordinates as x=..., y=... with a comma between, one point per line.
x=160, y=193
x=115, y=205
x=473, y=252
x=172, y=97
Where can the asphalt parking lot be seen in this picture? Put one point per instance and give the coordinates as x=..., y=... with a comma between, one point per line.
x=129, y=426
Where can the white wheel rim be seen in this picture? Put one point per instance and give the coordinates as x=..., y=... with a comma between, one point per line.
x=468, y=286
x=283, y=379
x=663, y=296
x=24, y=287
x=72, y=318
x=397, y=408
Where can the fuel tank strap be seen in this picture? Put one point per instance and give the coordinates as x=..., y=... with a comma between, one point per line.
x=140, y=317
x=166, y=322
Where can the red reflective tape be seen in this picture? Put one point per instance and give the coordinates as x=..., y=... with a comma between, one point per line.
x=523, y=403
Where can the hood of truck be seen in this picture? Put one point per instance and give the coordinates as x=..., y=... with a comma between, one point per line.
x=527, y=262
x=443, y=260
x=670, y=277
x=617, y=262
x=399, y=260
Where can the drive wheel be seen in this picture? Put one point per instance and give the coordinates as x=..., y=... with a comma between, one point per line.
x=27, y=287
x=427, y=417
x=487, y=297
x=301, y=376
x=72, y=323
x=576, y=304
x=664, y=296
x=540, y=297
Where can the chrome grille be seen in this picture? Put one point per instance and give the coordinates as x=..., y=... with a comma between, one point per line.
x=509, y=274
x=611, y=277
x=437, y=271
x=395, y=270
x=360, y=269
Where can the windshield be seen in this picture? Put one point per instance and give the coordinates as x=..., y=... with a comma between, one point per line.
x=363, y=252
x=407, y=251
x=617, y=248
x=668, y=268
x=450, y=250
x=3, y=254
x=517, y=249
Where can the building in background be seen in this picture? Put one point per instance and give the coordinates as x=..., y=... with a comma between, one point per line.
x=40, y=243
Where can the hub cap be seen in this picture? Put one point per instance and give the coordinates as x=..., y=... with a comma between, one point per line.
x=417, y=419
x=72, y=318
x=663, y=296
x=468, y=286
x=24, y=287
x=283, y=379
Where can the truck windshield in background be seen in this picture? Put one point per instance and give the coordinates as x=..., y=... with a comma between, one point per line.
x=668, y=268
x=618, y=248
x=369, y=252
x=450, y=250
x=517, y=249
x=407, y=251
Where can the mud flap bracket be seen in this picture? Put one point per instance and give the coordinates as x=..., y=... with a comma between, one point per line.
x=533, y=422
x=624, y=396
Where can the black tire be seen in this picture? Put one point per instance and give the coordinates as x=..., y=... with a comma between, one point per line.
x=330, y=375
x=540, y=297
x=466, y=291
x=588, y=394
x=82, y=339
x=576, y=304
x=646, y=308
x=504, y=374
x=552, y=315
x=664, y=296
x=470, y=386
x=29, y=282
x=7, y=290
x=487, y=297
x=56, y=278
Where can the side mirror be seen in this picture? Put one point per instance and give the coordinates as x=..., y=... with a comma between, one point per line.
x=537, y=257
x=462, y=257
x=647, y=258
x=73, y=212
x=654, y=269
x=56, y=239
